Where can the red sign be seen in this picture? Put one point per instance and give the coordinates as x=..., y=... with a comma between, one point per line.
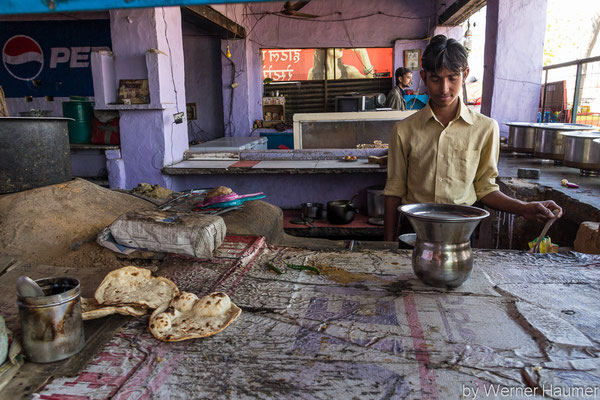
x=314, y=64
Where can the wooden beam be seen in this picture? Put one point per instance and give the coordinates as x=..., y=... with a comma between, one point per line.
x=460, y=11
x=212, y=21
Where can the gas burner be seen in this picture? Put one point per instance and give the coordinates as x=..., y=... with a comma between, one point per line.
x=587, y=172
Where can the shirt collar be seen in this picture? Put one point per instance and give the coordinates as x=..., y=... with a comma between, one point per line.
x=463, y=112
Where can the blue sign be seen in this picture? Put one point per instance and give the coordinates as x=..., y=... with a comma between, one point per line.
x=50, y=58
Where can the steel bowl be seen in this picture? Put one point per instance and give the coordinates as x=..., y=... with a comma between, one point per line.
x=442, y=255
x=582, y=150
x=549, y=141
x=312, y=210
x=521, y=137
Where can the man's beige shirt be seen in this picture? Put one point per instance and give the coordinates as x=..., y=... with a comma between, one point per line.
x=428, y=163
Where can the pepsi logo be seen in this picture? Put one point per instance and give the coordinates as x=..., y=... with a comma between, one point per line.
x=23, y=57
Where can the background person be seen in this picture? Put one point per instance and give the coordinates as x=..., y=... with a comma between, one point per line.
x=395, y=98
x=445, y=152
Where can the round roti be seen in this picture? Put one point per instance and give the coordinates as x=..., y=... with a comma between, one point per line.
x=135, y=286
x=188, y=317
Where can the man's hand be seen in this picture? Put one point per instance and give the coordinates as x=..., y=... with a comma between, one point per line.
x=540, y=211
x=533, y=210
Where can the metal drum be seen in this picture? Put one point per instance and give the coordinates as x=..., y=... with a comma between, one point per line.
x=442, y=255
x=582, y=150
x=34, y=152
x=521, y=137
x=549, y=140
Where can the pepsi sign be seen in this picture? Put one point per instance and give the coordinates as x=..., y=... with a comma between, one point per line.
x=50, y=58
x=23, y=57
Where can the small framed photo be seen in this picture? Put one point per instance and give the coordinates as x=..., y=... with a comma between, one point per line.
x=412, y=59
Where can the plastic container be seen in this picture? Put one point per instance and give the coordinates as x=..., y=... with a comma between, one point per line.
x=81, y=111
x=277, y=139
x=52, y=324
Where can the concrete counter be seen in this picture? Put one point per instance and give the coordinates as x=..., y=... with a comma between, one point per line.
x=366, y=328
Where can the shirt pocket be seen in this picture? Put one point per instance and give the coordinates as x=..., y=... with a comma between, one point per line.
x=464, y=163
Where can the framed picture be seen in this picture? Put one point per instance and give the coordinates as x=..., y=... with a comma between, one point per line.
x=412, y=59
x=133, y=91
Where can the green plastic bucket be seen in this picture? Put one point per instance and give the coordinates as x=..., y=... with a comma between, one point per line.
x=81, y=110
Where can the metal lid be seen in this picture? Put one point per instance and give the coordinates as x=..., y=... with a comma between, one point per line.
x=443, y=212
x=563, y=126
x=35, y=119
x=520, y=124
x=583, y=134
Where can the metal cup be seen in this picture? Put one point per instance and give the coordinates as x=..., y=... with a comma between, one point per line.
x=52, y=324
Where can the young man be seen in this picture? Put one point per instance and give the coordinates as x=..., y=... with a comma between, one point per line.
x=447, y=153
x=395, y=98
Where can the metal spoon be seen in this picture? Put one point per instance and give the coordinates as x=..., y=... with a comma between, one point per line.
x=27, y=287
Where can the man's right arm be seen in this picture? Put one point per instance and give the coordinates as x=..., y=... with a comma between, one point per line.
x=390, y=218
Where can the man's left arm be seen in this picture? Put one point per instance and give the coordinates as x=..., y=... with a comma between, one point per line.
x=489, y=193
x=540, y=211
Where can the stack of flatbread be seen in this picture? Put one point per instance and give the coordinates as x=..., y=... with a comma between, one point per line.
x=177, y=316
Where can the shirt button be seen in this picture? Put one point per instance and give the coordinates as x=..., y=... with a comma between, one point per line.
x=441, y=155
x=440, y=179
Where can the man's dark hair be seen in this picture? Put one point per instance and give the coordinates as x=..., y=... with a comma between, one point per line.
x=400, y=72
x=442, y=52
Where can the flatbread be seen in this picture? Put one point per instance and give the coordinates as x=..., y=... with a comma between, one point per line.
x=188, y=317
x=135, y=286
x=90, y=309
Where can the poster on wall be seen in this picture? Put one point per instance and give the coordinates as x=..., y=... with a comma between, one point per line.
x=50, y=58
x=333, y=63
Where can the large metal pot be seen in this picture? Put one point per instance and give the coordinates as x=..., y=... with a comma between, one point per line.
x=375, y=201
x=521, y=137
x=582, y=150
x=341, y=212
x=442, y=255
x=34, y=152
x=549, y=140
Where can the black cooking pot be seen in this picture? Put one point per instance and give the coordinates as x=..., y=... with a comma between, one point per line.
x=341, y=211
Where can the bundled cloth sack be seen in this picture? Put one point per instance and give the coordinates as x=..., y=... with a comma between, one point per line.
x=192, y=234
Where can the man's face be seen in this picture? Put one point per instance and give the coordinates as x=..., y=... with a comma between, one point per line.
x=406, y=80
x=444, y=86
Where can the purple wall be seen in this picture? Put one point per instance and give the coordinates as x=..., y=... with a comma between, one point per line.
x=515, y=31
x=150, y=139
x=203, y=84
x=403, y=26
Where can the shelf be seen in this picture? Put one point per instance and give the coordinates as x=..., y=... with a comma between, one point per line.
x=90, y=146
x=125, y=107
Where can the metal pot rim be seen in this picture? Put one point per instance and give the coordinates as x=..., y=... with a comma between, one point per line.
x=520, y=124
x=35, y=119
x=451, y=212
x=563, y=126
x=583, y=134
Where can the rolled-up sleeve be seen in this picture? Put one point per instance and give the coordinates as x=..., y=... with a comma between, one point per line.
x=397, y=167
x=487, y=170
